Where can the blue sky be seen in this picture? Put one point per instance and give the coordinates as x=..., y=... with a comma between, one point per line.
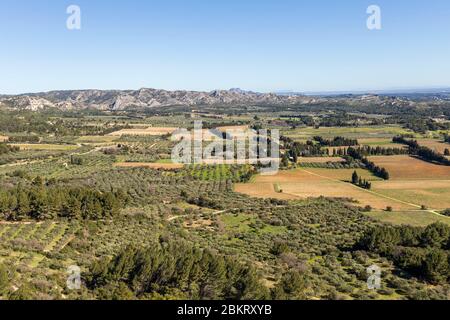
x=263, y=45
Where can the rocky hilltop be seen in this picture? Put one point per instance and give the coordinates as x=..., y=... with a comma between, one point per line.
x=143, y=98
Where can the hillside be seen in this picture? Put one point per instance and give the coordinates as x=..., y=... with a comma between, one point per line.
x=117, y=100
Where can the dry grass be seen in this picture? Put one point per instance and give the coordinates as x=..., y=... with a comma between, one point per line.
x=96, y=139
x=163, y=166
x=434, y=145
x=311, y=183
x=51, y=147
x=263, y=190
x=321, y=160
x=151, y=131
x=409, y=168
x=400, y=194
x=232, y=129
x=433, y=194
x=375, y=142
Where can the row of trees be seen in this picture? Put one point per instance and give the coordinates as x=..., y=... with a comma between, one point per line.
x=23, y=139
x=336, y=142
x=362, y=183
x=371, y=166
x=43, y=202
x=431, y=156
x=423, y=252
x=380, y=151
x=424, y=153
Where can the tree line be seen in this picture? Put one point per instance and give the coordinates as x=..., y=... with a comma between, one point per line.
x=336, y=142
x=371, y=166
x=41, y=202
x=24, y=138
x=422, y=252
x=423, y=153
x=360, y=182
x=380, y=151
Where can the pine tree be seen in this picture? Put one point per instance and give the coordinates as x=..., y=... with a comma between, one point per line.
x=355, y=178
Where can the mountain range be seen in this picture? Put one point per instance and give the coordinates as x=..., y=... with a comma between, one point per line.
x=117, y=100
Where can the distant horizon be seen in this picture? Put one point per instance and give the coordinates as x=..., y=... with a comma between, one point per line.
x=404, y=90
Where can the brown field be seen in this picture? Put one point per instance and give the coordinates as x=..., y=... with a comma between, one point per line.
x=163, y=166
x=150, y=131
x=434, y=145
x=263, y=190
x=375, y=142
x=408, y=168
x=434, y=194
x=96, y=139
x=320, y=160
x=233, y=128
x=414, y=183
x=311, y=183
x=51, y=147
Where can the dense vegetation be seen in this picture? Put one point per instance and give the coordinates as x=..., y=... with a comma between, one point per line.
x=42, y=202
x=175, y=270
x=336, y=142
x=422, y=252
x=5, y=149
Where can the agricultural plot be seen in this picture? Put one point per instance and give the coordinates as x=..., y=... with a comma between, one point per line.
x=50, y=147
x=434, y=145
x=409, y=168
x=39, y=236
x=415, y=218
x=313, y=183
x=96, y=140
x=378, y=132
x=156, y=166
x=320, y=160
x=222, y=172
x=150, y=131
x=28, y=243
x=375, y=142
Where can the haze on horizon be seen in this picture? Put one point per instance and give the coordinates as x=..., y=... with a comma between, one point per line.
x=264, y=46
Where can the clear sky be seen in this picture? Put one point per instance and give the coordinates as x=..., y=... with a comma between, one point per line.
x=263, y=45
